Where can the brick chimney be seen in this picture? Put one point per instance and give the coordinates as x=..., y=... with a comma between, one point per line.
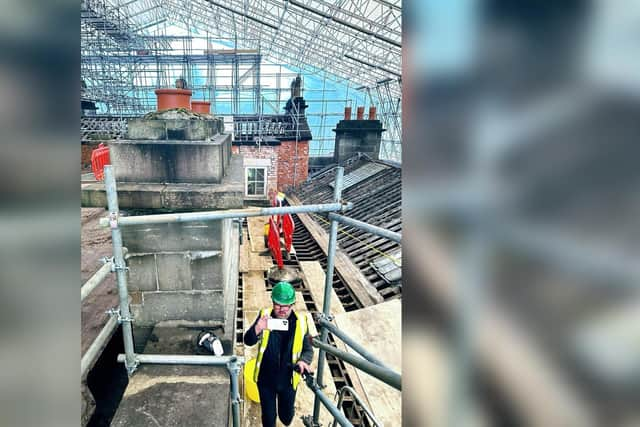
x=358, y=136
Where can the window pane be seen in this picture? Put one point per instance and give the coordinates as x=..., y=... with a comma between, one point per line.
x=251, y=174
x=260, y=174
x=259, y=187
x=251, y=188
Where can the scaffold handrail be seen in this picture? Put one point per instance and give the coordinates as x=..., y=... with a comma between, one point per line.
x=225, y=214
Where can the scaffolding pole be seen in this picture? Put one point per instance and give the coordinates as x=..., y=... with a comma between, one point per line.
x=379, y=231
x=385, y=375
x=325, y=323
x=232, y=363
x=226, y=214
x=94, y=350
x=95, y=280
x=120, y=267
x=320, y=397
x=328, y=286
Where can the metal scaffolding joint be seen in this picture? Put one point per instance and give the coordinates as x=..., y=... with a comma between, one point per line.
x=318, y=316
x=115, y=267
x=131, y=367
x=116, y=313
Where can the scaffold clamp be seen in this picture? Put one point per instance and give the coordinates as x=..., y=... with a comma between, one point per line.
x=318, y=315
x=106, y=260
x=116, y=312
x=113, y=220
x=115, y=267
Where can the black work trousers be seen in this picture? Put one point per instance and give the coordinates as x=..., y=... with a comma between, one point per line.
x=284, y=395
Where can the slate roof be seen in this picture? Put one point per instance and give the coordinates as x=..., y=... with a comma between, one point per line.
x=377, y=199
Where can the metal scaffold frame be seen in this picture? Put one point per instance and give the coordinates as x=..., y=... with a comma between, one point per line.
x=127, y=51
x=122, y=315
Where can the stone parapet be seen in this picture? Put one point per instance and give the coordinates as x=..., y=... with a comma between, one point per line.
x=175, y=161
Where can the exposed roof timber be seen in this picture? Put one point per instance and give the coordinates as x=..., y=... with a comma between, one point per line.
x=246, y=15
x=345, y=23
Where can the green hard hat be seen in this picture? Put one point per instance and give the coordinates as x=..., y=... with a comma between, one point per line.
x=283, y=293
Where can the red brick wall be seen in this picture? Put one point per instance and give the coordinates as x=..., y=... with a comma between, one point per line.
x=290, y=167
x=285, y=165
x=264, y=152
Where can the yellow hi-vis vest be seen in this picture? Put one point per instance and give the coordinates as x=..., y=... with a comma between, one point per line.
x=296, y=351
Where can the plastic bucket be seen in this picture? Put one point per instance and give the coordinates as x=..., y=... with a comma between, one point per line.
x=250, y=387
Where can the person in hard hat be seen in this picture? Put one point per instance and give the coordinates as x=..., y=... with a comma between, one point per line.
x=279, y=352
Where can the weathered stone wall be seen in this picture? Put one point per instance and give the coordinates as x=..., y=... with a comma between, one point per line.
x=176, y=271
x=170, y=161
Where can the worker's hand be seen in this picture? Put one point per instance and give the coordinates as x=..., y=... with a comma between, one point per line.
x=304, y=367
x=261, y=324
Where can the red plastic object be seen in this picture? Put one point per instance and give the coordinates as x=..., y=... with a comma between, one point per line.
x=173, y=98
x=287, y=228
x=99, y=158
x=203, y=107
x=274, y=243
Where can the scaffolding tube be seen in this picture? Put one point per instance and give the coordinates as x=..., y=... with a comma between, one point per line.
x=98, y=277
x=120, y=267
x=385, y=375
x=328, y=286
x=184, y=359
x=358, y=400
x=95, y=280
x=234, y=370
x=93, y=352
x=232, y=363
x=320, y=396
x=350, y=342
x=226, y=214
x=379, y=231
